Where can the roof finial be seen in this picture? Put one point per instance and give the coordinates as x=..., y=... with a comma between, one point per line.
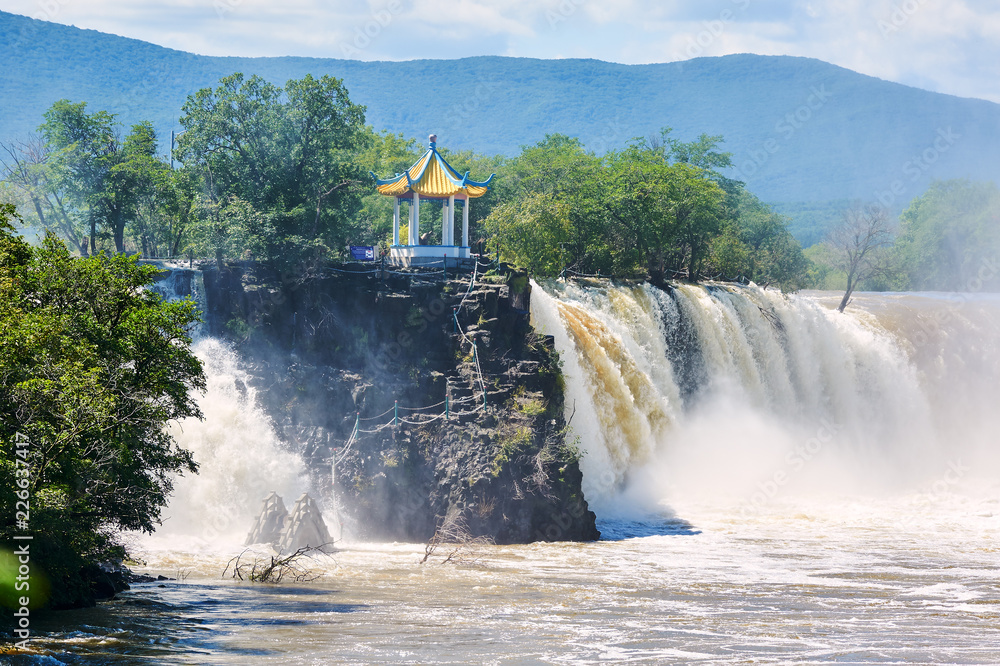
x=433, y=138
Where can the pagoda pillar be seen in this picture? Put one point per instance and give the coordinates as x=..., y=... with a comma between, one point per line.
x=451, y=220
x=444, y=223
x=465, y=222
x=415, y=220
x=395, y=221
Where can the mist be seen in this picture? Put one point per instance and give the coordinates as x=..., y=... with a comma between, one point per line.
x=788, y=398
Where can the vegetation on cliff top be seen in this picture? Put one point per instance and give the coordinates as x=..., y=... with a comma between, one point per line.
x=280, y=175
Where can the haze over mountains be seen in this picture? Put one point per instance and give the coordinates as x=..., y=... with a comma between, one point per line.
x=800, y=130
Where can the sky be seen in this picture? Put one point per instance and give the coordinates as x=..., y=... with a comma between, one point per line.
x=949, y=46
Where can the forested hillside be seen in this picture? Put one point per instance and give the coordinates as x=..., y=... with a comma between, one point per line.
x=801, y=131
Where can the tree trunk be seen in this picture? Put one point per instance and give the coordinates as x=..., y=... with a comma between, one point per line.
x=847, y=295
x=119, y=233
x=177, y=244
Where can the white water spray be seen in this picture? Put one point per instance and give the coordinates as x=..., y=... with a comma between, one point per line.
x=240, y=457
x=737, y=392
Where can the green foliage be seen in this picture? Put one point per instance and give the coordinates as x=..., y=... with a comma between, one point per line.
x=93, y=367
x=510, y=446
x=385, y=154
x=755, y=243
x=822, y=272
x=950, y=238
x=105, y=179
x=531, y=407
x=531, y=232
x=230, y=228
x=288, y=154
x=655, y=207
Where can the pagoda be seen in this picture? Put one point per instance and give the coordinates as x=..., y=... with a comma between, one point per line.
x=431, y=178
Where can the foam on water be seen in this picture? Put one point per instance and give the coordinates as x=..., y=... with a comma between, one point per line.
x=720, y=391
x=776, y=482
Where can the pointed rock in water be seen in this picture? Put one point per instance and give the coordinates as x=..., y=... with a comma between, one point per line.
x=270, y=523
x=304, y=527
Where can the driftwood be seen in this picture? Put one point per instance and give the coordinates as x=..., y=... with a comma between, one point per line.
x=275, y=568
x=461, y=546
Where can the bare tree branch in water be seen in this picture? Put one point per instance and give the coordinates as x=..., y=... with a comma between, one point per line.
x=454, y=536
x=276, y=568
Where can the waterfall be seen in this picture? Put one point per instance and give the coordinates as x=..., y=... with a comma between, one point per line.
x=726, y=390
x=177, y=282
x=240, y=457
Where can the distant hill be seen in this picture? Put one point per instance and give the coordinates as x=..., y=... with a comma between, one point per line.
x=802, y=131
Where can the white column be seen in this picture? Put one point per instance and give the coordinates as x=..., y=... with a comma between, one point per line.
x=451, y=220
x=409, y=231
x=444, y=223
x=395, y=221
x=415, y=226
x=465, y=223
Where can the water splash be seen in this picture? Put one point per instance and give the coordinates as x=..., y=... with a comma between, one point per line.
x=722, y=390
x=240, y=457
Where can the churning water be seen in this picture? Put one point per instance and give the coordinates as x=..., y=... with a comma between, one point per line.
x=775, y=481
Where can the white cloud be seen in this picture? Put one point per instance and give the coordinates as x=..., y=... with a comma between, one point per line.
x=949, y=46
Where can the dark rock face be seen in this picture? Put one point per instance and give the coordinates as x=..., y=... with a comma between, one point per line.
x=333, y=350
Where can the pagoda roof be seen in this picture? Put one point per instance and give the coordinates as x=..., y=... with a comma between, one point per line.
x=431, y=176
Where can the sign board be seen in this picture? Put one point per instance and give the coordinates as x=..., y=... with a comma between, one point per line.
x=362, y=253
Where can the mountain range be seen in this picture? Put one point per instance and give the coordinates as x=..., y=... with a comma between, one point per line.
x=805, y=135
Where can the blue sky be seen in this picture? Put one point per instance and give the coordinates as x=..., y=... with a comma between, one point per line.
x=950, y=46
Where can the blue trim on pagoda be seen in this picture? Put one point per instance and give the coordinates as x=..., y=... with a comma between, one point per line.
x=450, y=173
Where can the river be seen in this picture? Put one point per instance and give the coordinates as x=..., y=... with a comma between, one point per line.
x=775, y=482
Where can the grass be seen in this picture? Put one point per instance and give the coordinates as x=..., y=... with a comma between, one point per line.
x=511, y=445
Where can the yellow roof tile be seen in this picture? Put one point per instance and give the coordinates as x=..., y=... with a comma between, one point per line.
x=431, y=176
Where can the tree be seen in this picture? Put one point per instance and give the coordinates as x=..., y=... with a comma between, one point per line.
x=950, y=237
x=755, y=243
x=164, y=212
x=291, y=154
x=657, y=206
x=386, y=153
x=638, y=199
x=531, y=232
x=93, y=366
x=102, y=174
x=134, y=185
x=558, y=167
x=702, y=153
x=860, y=244
x=229, y=228
x=28, y=166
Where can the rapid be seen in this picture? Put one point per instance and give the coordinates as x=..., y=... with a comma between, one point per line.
x=775, y=482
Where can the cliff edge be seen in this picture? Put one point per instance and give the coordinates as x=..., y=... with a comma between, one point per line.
x=436, y=398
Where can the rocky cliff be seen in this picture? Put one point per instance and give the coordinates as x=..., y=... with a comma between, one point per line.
x=436, y=399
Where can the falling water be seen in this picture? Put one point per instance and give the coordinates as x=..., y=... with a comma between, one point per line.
x=240, y=457
x=804, y=486
x=745, y=393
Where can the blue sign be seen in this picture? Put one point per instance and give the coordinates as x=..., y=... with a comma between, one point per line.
x=362, y=253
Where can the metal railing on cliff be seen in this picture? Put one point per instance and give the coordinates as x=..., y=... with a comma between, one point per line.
x=422, y=415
